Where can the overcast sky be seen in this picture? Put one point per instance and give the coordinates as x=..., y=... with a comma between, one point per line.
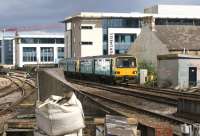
x=33, y=12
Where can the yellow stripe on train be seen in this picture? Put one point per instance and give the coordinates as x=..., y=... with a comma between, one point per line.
x=125, y=72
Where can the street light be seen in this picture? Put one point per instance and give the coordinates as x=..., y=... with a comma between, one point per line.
x=2, y=47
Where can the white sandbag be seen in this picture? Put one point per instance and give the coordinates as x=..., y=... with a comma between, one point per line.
x=55, y=99
x=74, y=100
x=59, y=119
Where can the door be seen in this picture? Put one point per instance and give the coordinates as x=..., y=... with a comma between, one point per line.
x=192, y=76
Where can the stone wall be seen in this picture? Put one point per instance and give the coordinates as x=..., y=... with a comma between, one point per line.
x=167, y=73
x=147, y=46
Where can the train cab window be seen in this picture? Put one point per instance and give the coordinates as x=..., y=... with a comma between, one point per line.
x=125, y=63
x=117, y=52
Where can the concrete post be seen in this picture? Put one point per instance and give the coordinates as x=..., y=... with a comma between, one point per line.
x=143, y=76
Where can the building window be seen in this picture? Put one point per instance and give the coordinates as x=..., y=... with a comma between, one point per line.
x=123, y=42
x=125, y=38
x=29, y=40
x=116, y=51
x=105, y=38
x=8, y=51
x=133, y=37
x=60, y=40
x=42, y=40
x=60, y=52
x=29, y=54
x=181, y=21
x=105, y=52
x=121, y=23
x=86, y=43
x=86, y=27
x=46, y=40
x=47, y=54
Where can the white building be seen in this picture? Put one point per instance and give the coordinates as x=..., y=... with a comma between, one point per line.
x=38, y=48
x=90, y=34
x=31, y=48
x=93, y=33
x=177, y=10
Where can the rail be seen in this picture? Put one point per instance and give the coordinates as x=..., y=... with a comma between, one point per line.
x=19, y=86
x=129, y=92
x=154, y=94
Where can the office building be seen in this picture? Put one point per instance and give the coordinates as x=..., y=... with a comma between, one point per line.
x=94, y=33
x=38, y=48
x=31, y=48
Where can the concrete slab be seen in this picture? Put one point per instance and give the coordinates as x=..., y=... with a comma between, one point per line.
x=52, y=82
x=117, y=126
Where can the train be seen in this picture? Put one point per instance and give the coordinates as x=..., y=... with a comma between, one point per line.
x=107, y=68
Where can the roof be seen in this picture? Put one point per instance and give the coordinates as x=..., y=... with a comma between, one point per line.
x=177, y=56
x=40, y=34
x=187, y=11
x=178, y=37
x=103, y=56
x=191, y=14
x=107, y=15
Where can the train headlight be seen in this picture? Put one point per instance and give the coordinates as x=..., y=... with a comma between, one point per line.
x=134, y=72
x=117, y=72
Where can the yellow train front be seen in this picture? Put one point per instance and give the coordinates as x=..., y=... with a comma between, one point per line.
x=125, y=68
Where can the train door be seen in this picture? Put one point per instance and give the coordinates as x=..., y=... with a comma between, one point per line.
x=111, y=67
x=192, y=76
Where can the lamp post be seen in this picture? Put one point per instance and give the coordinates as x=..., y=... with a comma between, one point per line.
x=2, y=48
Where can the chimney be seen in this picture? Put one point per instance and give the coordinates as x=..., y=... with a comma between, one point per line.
x=149, y=21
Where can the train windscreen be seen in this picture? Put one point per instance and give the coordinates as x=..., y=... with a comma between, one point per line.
x=128, y=62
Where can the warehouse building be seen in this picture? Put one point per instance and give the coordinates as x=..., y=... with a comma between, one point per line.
x=94, y=33
x=31, y=48
x=178, y=71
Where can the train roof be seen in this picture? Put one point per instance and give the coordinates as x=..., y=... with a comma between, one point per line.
x=105, y=56
x=101, y=56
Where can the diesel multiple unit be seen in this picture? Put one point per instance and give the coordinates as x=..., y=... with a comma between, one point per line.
x=111, y=68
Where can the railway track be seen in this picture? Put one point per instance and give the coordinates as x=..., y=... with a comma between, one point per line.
x=169, y=118
x=102, y=97
x=157, y=95
x=163, y=91
x=14, y=86
x=5, y=86
x=164, y=98
x=19, y=83
x=126, y=91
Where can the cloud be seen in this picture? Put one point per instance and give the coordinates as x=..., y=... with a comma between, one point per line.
x=30, y=12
